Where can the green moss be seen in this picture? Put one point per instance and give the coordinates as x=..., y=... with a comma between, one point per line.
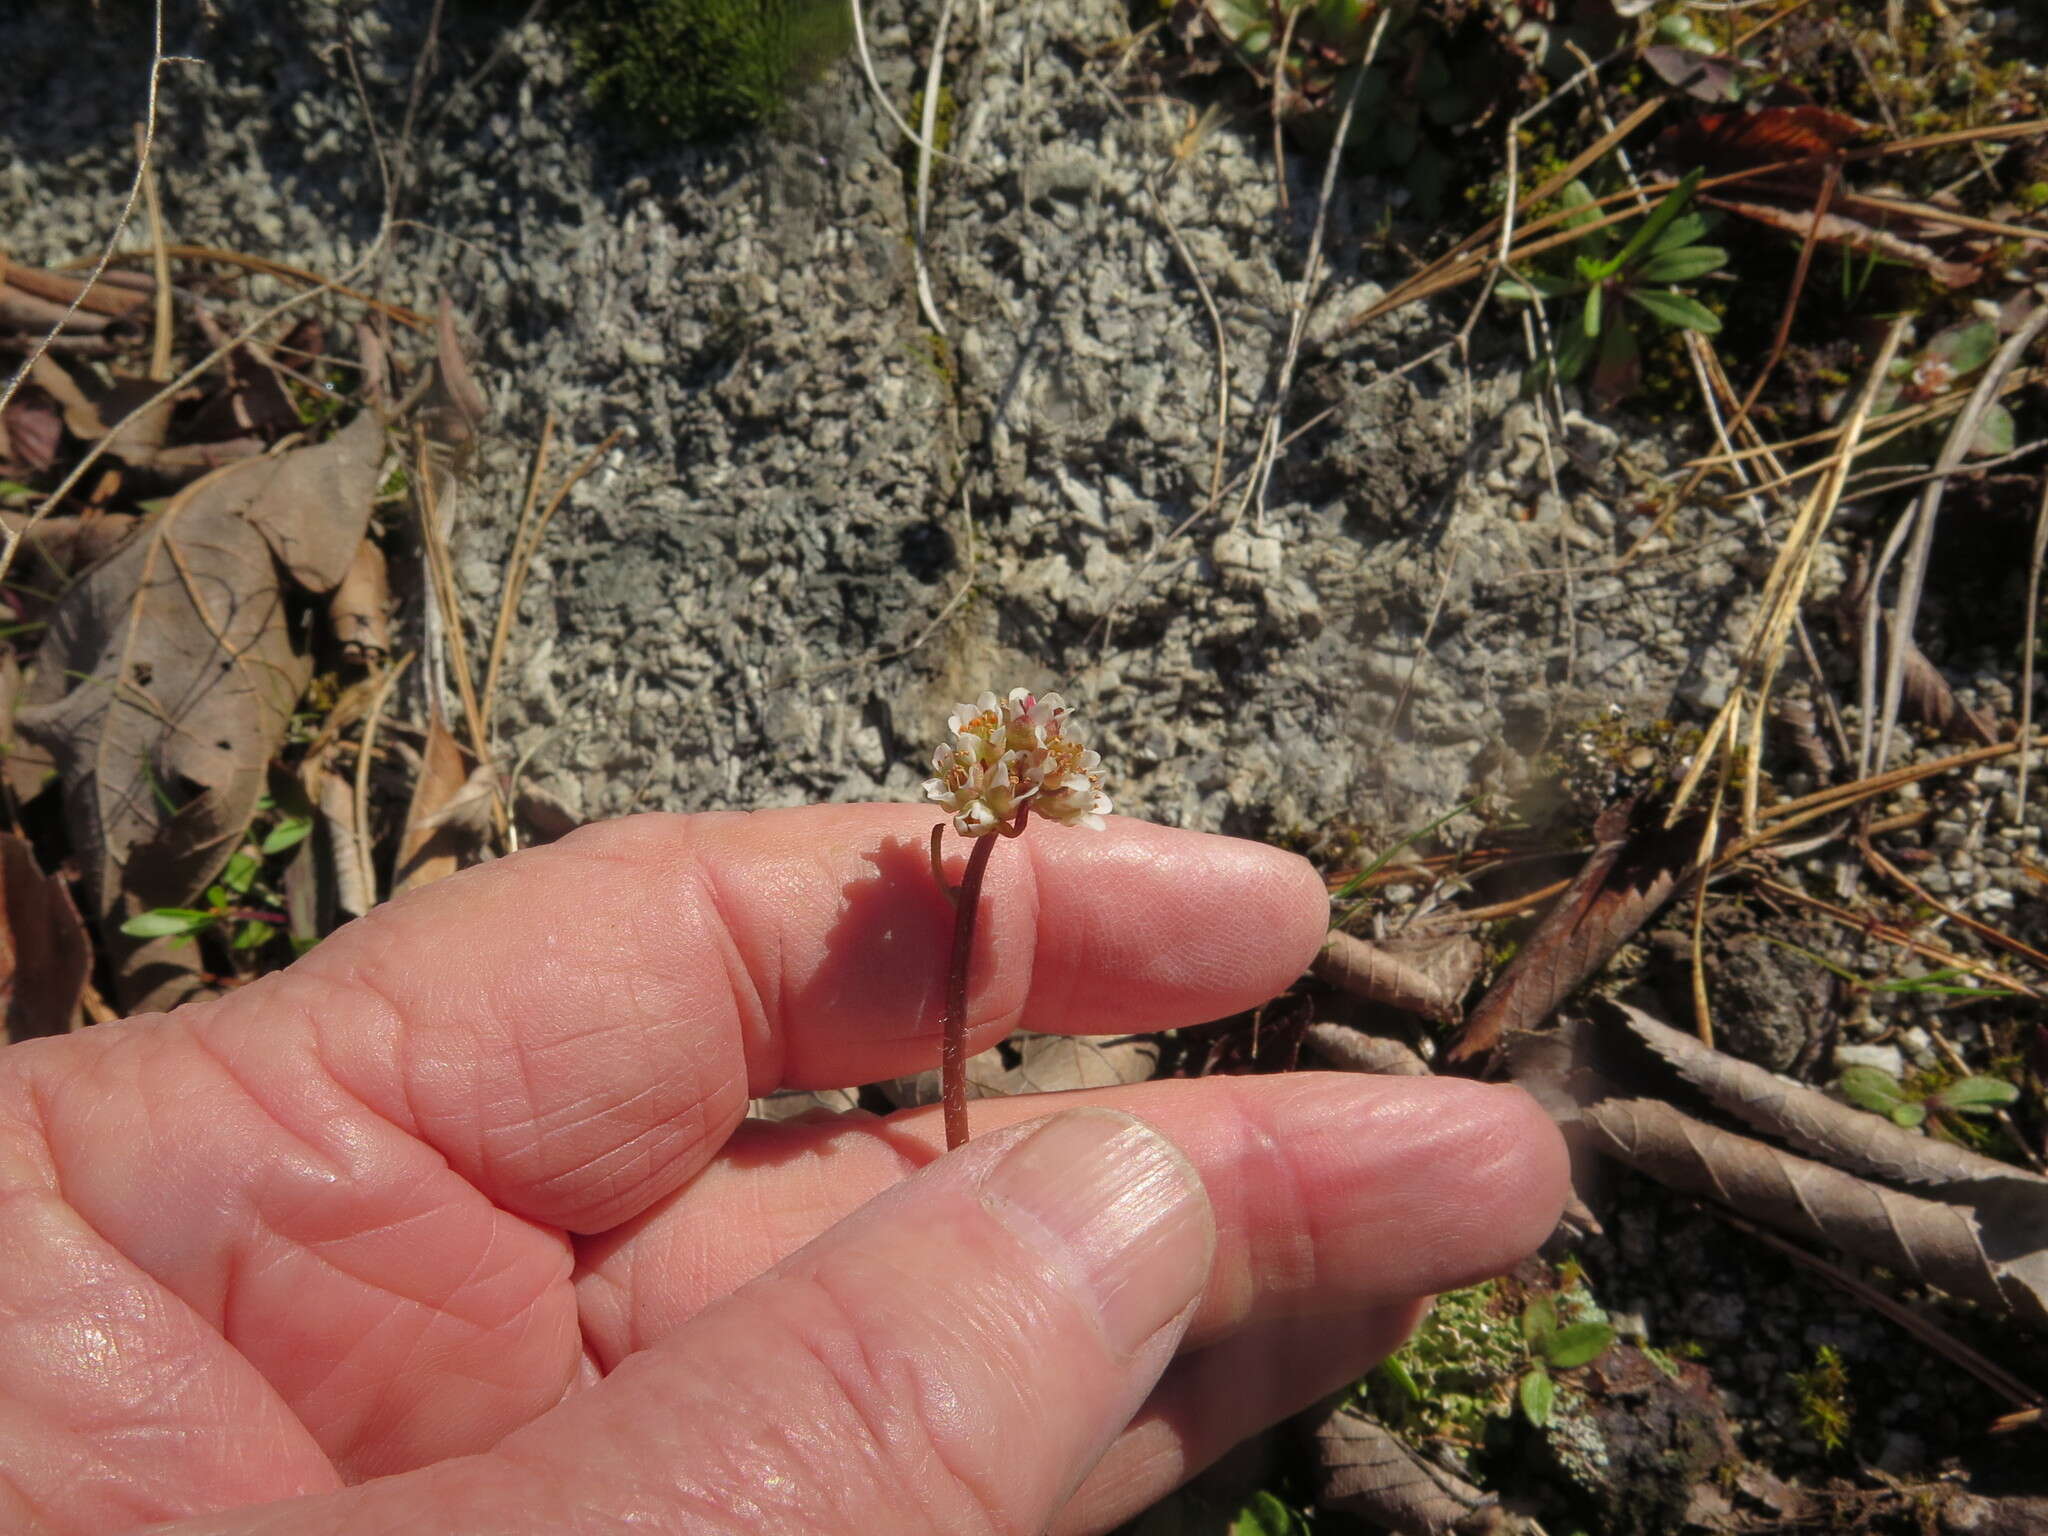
x=1456, y=1373
x=1823, y=1394
x=701, y=70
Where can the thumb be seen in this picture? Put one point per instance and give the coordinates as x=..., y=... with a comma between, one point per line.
x=953, y=1357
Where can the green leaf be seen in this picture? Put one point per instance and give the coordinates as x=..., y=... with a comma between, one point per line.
x=217, y=896
x=1580, y=205
x=1677, y=309
x=1966, y=347
x=1264, y=1515
x=1682, y=264
x=288, y=833
x=1976, y=1095
x=1575, y=1345
x=162, y=922
x=1537, y=1393
x=241, y=873
x=1680, y=231
x=1539, y=1319
x=1995, y=433
x=1397, y=1376
x=1661, y=217
x=1590, y=317
x=253, y=935
x=1871, y=1089
x=1574, y=351
x=1909, y=1115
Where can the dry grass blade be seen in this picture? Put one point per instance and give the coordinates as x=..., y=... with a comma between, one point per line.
x=526, y=542
x=1921, y=519
x=1891, y=933
x=45, y=958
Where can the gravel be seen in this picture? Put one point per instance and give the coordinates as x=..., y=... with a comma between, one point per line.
x=823, y=523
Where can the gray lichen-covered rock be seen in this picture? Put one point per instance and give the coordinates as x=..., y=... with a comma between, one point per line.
x=825, y=521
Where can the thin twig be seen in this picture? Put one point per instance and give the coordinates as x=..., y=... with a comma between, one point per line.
x=933, y=71
x=160, y=265
x=2027, y=658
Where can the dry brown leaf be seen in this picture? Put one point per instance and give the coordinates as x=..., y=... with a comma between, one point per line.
x=359, y=613
x=1353, y=1050
x=430, y=849
x=459, y=385
x=1918, y=1239
x=1060, y=1063
x=354, y=889
x=542, y=814
x=67, y=544
x=1429, y=981
x=1821, y=1127
x=805, y=1103
x=31, y=432
x=1925, y=695
x=44, y=956
x=1363, y=1470
x=169, y=672
x=1620, y=887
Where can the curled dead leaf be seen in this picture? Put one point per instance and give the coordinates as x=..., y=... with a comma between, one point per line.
x=1429, y=980
x=1919, y=1239
x=359, y=612
x=1353, y=1050
x=1364, y=1471
x=44, y=955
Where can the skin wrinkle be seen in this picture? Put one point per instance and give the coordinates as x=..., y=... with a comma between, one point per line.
x=874, y=1384
x=1303, y=1274
x=762, y=1046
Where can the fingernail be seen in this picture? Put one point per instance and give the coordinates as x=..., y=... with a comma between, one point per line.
x=1118, y=1210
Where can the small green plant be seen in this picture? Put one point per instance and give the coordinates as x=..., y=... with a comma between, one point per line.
x=1910, y=1105
x=1553, y=1346
x=1265, y=1514
x=1604, y=279
x=1823, y=1393
x=239, y=905
x=1454, y=1375
x=1949, y=358
x=702, y=70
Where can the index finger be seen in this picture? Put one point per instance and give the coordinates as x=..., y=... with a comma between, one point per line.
x=611, y=1001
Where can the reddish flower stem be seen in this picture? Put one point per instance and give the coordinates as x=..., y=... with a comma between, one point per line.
x=953, y=1044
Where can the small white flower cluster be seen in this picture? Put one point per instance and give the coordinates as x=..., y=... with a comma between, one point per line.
x=1007, y=754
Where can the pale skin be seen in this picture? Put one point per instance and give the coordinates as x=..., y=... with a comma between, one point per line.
x=455, y=1226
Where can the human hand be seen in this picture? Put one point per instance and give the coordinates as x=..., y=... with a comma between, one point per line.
x=455, y=1225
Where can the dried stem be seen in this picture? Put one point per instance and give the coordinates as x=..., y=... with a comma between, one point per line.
x=966, y=898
